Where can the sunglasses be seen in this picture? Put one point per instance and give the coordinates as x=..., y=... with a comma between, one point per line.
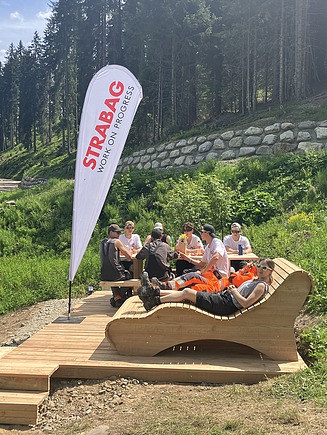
x=235, y=232
x=129, y=227
x=260, y=266
x=187, y=230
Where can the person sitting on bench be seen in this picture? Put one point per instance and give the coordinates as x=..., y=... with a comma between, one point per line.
x=112, y=268
x=223, y=303
x=157, y=255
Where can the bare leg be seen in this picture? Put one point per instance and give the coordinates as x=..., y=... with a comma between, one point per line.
x=178, y=296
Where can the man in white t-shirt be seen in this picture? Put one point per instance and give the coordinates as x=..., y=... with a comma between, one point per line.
x=215, y=255
x=131, y=241
x=233, y=241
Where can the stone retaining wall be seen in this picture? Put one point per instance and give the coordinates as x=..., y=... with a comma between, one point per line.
x=28, y=182
x=233, y=144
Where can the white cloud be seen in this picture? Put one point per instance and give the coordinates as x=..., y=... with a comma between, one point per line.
x=17, y=16
x=20, y=23
x=43, y=15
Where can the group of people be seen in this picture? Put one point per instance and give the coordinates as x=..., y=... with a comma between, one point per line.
x=124, y=242
x=205, y=280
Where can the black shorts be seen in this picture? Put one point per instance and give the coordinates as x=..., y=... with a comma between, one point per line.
x=216, y=303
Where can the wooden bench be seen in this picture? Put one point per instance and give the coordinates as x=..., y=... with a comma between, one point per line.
x=135, y=283
x=267, y=326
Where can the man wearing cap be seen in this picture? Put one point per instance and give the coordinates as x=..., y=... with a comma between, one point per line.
x=213, y=266
x=215, y=255
x=157, y=255
x=111, y=266
x=232, y=243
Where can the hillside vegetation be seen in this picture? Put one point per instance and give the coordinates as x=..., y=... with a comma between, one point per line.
x=281, y=202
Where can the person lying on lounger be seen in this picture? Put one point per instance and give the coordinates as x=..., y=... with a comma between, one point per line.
x=223, y=303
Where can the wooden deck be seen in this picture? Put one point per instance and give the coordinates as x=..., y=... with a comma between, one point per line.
x=77, y=348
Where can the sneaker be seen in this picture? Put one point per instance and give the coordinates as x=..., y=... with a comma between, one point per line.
x=161, y=285
x=151, y=302
x=145, y=292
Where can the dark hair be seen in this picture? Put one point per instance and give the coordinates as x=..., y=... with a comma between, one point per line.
x=156, y=234
x=188, y=226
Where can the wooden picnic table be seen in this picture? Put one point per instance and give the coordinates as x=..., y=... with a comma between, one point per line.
x=243, y=257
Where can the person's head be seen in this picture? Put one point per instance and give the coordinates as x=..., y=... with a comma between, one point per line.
x=265, y=267
x=114, y=231
x=207, y=233
x=236, y=230
x=188, y=227
x=158, y=226
x=156, y=234
x=129, y=227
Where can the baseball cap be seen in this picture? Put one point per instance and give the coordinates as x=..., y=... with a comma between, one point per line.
x=236, y=225
x=115, y=228
x=209, y=229
x=159, y=226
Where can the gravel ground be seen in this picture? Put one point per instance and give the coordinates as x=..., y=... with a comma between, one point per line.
x=19, y=326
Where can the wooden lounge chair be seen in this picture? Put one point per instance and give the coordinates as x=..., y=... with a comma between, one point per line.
x=267, y=326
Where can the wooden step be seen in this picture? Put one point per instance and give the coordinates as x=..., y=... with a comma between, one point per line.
x=26, y=375
x=20, y=407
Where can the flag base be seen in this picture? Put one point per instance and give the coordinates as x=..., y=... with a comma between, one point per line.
x=69, y=320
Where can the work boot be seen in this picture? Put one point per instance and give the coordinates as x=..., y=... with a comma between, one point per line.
x=160, y=284
x=145, y=292
x=145, y=279
x=151, y=302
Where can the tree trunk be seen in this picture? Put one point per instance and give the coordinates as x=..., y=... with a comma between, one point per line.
x=281, y=52
x=300, y=44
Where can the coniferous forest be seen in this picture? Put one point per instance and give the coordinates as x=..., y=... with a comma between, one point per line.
x=195, y=59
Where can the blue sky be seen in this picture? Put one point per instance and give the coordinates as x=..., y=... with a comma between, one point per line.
x=19, y=19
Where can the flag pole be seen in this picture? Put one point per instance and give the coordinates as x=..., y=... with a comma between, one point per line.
x=69, y=299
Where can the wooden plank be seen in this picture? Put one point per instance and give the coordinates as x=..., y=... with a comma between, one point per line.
x=4, y=350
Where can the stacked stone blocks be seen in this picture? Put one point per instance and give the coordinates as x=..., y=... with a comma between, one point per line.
x=276, y=138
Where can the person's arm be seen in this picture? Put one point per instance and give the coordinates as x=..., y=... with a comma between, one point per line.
x=126, y=252
x=230, y=250
x=198, y=263
x=253, y=297
x=212, y=261
x=138, y=243
x=248, y=248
